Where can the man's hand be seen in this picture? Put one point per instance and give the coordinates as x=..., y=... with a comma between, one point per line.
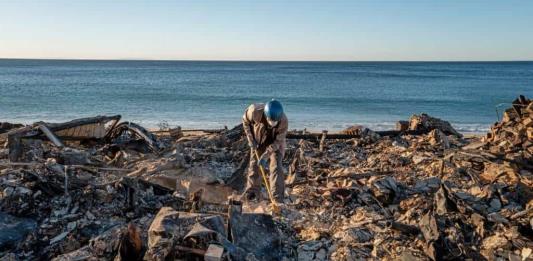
x=262, y=161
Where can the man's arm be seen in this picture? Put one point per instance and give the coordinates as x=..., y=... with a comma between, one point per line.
x=246, y=124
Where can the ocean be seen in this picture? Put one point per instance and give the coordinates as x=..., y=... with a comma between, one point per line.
x=214, y=94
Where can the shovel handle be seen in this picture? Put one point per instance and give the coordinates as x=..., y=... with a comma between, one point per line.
x=267, y=185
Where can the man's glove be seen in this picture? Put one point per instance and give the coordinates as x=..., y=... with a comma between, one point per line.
x=262, y=161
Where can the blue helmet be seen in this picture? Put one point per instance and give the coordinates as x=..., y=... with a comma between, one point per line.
x=273, y=110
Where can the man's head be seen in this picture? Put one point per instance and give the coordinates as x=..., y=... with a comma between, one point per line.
x=273, y=112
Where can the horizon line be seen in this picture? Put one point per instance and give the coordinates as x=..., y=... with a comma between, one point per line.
x=245, y=60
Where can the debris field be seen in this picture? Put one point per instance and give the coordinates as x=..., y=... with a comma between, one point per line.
x=100, y=189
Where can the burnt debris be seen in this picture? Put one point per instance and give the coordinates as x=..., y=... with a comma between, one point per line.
x=98, y=189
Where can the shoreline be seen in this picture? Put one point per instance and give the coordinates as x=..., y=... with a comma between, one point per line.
x=155, y=127
x=262, y=61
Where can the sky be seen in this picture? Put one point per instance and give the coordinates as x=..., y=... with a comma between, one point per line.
x=330, y=30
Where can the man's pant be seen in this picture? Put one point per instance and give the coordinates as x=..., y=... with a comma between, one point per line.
x=276, y=177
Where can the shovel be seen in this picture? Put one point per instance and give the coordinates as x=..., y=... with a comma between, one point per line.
x=275, y=208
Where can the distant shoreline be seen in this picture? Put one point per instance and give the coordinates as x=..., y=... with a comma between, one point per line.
x=266, y=61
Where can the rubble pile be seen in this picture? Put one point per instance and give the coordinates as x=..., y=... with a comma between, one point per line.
x=424, y=122
x=512, y=137
x=97, y=189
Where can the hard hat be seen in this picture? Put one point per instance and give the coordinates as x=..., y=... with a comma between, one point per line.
x=273, y=110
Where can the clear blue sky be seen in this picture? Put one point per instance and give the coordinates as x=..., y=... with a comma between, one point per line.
x=267, y=30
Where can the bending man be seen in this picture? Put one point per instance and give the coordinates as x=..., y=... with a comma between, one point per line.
x=265, y=126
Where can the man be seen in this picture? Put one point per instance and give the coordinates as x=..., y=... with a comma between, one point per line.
x=265, y=126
